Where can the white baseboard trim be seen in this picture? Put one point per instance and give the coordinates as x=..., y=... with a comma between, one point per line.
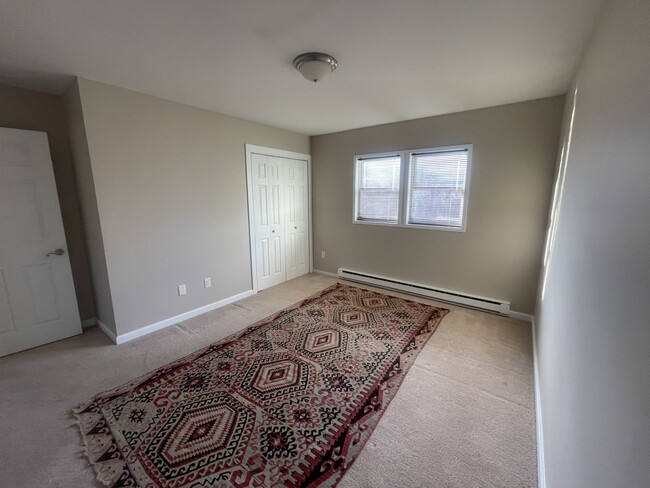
x=521, y=316
x=89, y=322
x=148, y=329
x=541, y=467
x=326, y=273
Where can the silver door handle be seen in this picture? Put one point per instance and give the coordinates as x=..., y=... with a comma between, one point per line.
x=295, y=228
x=273, y=232
x=56, y=252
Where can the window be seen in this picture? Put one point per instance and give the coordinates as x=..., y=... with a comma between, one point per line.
x=424, y=188
x=378, y=189
x=437, y=188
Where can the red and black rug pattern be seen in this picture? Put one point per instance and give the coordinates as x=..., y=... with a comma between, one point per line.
x=289, y=401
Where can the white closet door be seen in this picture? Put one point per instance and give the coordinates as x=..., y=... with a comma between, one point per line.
x=296, y=192
x=269, y=220
x=37, y=298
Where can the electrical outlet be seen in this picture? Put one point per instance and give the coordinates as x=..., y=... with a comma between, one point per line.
x=322, y=254
x=207, y=282
x=182, y=290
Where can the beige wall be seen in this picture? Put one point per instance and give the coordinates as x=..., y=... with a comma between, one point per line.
x=87, y=197
x=499, y=254
x=593, y=327
x=170, y=183
x=29, y=110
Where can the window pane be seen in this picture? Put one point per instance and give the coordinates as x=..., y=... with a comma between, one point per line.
x=378, y=189
x=437, y=188
x=437, y=206
x=377, y=204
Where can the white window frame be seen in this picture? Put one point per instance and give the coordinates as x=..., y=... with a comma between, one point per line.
x=356, y=188
x=404, y=187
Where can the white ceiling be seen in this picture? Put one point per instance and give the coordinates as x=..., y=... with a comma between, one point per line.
x=398, y=59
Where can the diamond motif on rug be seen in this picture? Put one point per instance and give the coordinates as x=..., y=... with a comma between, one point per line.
x=207, y=429
x=353, y=318
x=205, y=433
x=289, y=401
x=319, y=342
x=374, y=302
x=270, y=379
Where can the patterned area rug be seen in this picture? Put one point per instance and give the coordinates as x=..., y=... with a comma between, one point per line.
x=289, y=401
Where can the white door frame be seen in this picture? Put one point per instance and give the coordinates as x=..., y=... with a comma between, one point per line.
x=268, y=151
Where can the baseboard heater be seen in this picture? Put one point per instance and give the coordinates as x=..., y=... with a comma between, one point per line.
x=490, y=304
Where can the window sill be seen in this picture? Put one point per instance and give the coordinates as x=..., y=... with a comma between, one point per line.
x=411, y=226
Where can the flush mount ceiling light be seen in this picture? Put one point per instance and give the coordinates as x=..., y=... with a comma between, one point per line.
x=315, y=66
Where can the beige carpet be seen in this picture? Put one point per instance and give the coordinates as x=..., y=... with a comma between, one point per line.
x=464, y=416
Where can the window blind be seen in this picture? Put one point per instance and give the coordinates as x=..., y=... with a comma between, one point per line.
x=437, y=188
x=378, y=181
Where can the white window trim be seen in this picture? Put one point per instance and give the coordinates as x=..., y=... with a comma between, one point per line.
x=356, y=189
x=405, y=175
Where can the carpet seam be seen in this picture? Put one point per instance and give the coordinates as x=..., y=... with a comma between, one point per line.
x=471, y=386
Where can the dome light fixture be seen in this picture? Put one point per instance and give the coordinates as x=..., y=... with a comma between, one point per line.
x=315, y=66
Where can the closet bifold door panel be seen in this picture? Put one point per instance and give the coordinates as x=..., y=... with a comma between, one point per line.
x=269, y=221
x=280, y=198
x=296, y=210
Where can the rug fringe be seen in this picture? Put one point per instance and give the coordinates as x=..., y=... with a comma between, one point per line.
x=83, y=453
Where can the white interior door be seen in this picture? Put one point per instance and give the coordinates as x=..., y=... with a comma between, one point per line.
x=296, y=192
x=269, y=220
x=37, y=298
